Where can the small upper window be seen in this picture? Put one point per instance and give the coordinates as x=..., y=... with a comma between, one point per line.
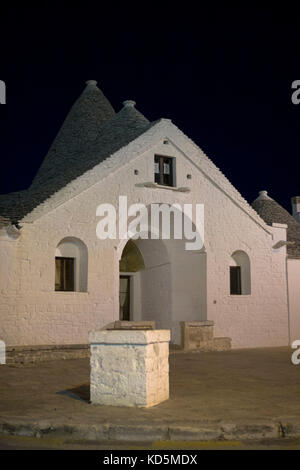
x=163, y=170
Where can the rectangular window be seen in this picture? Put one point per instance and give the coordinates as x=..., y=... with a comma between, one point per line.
x=235, y=280
x=163, y=170
x=64, y=274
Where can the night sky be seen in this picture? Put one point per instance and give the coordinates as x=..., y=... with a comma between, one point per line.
x=222, y=74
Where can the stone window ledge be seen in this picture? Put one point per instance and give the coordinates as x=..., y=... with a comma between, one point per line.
x=237, y=296
x=152, y=185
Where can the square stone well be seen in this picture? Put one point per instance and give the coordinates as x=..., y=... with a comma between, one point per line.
x=129, y=367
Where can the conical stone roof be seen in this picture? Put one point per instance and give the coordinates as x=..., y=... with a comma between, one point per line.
x=91, y=133
x=88, y=115
x=272, y=212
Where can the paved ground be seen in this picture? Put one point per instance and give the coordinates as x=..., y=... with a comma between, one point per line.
x=234, y=395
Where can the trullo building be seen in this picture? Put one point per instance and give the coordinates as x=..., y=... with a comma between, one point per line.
x=59, y=280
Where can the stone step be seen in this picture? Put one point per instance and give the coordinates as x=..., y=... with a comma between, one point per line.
x=216, y=344
x=222, y=344
x=40, y=353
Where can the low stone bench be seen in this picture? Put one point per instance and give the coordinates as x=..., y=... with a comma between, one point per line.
x=129, y=367
x=199, y=336
x=41, y=353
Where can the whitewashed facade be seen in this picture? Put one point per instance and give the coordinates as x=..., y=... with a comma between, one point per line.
x=174, y=285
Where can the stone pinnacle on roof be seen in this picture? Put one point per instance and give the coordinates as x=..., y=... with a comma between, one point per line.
x=129, y=103
x=91, y=82
x=263, y=195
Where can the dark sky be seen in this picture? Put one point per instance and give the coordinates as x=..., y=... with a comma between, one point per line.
x=222, y=74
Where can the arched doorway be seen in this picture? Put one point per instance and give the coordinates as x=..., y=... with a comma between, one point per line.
x=145, y=282
x=162, y=281
x=130, y=264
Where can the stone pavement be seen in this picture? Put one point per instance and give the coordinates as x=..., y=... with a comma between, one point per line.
x=239, y=394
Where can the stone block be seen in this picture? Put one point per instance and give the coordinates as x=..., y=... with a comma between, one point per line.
x=129, y=367
x=199, y=336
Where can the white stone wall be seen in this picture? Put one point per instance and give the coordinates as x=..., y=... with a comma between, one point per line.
x=294, y=297
x=33, y=313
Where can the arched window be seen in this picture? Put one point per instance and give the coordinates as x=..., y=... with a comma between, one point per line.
x=240, y=275
x=71, y=265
